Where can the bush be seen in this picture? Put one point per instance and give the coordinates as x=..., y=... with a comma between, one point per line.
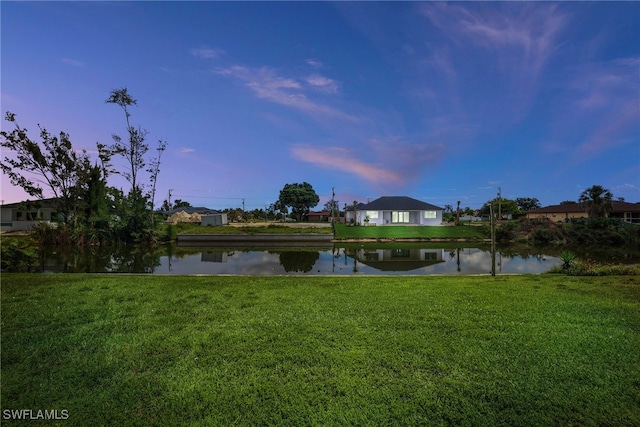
x=18, y=255
x=592, y=268
x=507, y=231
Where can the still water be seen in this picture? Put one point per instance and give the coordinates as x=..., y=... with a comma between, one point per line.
x=395, y=259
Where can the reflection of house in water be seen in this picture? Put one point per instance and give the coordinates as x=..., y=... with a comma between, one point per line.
x=214, y=257
x=397, y=259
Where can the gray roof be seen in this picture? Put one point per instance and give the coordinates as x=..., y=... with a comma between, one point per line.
x=35, y=204
x=191, y=210
x=399, y=203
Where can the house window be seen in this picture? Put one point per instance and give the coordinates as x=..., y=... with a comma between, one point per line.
x=372, y=214
x=430, y=256
x=430, y=214
x=400, y=216
x=400, y=253
x=18, y=216
x=372, y=256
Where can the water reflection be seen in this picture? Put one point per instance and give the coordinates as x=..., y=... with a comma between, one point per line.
x=413, y=259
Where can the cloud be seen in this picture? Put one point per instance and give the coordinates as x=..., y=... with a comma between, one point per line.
x=511, y=44
x=268, y=85
x=396, y=163
x=206, y=52
x=72, y=62
x=606, y=105
x=344, y=160
x=531, y=29
x=322, y=83
x=314, y=63
x=187, y=150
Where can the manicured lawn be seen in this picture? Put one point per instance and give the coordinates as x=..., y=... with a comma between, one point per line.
x=151, y=350
x=344, y=231
x=252, y=229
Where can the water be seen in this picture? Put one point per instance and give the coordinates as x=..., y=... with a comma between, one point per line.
x=388, y=259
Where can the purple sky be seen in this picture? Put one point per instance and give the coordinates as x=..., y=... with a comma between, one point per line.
x=437, y=101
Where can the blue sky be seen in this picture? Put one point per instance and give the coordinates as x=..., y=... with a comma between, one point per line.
x=437, y=101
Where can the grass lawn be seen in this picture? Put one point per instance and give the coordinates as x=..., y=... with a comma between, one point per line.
x=344, y=231
x=250, y=229
x=152, y=350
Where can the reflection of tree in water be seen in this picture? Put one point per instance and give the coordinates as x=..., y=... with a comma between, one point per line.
x=117, y=258
x=299, y=260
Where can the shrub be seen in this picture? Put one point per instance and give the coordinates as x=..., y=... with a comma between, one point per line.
x=17, y=255
x=591, y=268
x=568, y=259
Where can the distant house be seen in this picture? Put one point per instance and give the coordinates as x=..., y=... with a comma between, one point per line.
x=22, y=216
x=627, y=212
x=204, y=216
x=323, y=216
x=396, y=210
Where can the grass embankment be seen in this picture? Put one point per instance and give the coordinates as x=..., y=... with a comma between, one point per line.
x=346, y=232
x=247, y=229
x=150, y=350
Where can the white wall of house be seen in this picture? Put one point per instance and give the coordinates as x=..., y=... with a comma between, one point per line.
x=14, y=219
x=397, y=217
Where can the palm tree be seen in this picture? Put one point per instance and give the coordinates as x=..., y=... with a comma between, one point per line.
x=597, y=200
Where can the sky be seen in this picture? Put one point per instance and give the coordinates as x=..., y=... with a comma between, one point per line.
x=442, y=102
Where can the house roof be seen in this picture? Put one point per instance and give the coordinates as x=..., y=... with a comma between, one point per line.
x=396, y=203
x=191, y=210
x=616, y=207
x=37, y=204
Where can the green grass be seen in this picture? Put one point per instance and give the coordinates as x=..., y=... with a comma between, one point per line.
x=152, y=350
x=249, y=229
x=345, y=232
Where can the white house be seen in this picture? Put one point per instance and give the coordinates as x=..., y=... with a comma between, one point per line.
x=396, y=210
x=22, y=216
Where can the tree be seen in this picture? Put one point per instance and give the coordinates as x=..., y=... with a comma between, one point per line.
x=136, y=204
x=179, y=203
x=52, y=165
x=332, y=206
x=527, y=203
x=154, y=171
x=508, y=207
x=597, y=201
x=299, y=197
x=135, y=148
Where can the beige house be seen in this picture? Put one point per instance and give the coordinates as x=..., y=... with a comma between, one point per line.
x=628, y=212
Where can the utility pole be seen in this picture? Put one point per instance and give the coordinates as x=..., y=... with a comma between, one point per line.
x=170, y=190
x=499, y=203
x=243, y=206
x=333, y=205
x=493, y=241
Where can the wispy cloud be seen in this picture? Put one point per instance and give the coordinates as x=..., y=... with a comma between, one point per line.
x=345, y=160
x=186, y=150
x=393, y=163
x=511, y=44
x=322, y=83
x=268, y=85
x=314, y=63
x=532, y=29
x=606, y=104
x=72, y=62
x=206, y=52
